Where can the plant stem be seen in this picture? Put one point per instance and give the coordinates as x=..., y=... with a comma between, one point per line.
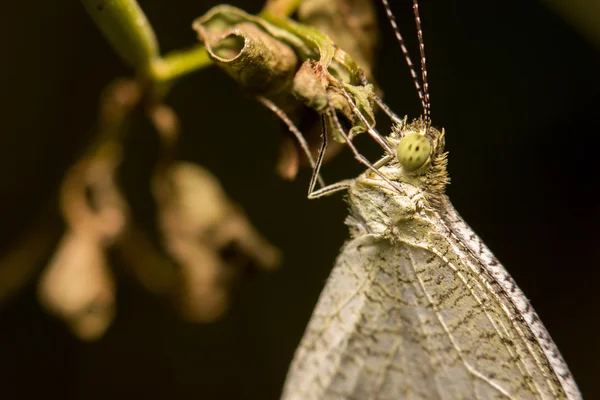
x=179, y=63
x=127, y=29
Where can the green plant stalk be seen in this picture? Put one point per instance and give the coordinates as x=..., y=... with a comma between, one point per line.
x=179, y=63
x=127, y=29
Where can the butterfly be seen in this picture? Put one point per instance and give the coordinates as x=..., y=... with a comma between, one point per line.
x=417, y=307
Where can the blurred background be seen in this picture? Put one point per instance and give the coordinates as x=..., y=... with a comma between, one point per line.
x=515, y=84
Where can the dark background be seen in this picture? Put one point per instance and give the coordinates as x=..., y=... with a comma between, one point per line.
x=515, y=86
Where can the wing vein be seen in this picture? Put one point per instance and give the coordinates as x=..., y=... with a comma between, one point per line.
x=509, y=315
x=469, y=367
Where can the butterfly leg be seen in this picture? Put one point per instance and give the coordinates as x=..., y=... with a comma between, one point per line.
x=372, y=132
x=359, y=157
x=330, y=189
x=297, y=134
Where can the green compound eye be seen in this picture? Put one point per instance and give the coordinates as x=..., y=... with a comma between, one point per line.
x=413, y=151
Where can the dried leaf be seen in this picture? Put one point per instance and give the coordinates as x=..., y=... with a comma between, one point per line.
x=222, y=17
x=77, y=284
x=78, y=287
x=199, y=223
x=310, y=85
x=196, y=202
x=262, y=64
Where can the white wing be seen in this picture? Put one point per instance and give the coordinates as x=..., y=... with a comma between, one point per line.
x=528, y=317
x=418, y=319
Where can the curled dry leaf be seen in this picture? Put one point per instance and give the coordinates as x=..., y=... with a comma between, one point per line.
x=207, y=236
x=20, y=263
x=78, y=287
x=262, y=64
x=77, y=284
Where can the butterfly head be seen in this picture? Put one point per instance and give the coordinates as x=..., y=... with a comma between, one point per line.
x=420, y=157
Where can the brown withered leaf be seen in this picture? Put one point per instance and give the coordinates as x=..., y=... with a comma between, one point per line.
x=208, y=237
x=78, y=287
x=77, y=284
x=260, y=63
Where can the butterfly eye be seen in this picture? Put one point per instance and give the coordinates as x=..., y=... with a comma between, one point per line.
x=413, y=151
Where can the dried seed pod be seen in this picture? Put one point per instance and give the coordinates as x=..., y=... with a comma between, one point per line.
x=78, y=286
x=195, y=202
x=207, y=236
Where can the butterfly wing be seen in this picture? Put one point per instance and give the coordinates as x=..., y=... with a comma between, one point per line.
x=512, y=298
x=410, y=320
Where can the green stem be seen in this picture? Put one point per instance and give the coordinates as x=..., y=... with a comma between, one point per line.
x=179, y=63
x=127, y=29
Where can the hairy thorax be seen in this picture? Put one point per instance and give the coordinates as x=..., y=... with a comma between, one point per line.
x=377, y=208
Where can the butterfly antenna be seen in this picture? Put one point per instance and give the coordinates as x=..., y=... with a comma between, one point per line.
x=427, y=102
x=411, y=66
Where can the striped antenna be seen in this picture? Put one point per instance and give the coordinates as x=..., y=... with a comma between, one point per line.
x=423, y=94
x=423, y=63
